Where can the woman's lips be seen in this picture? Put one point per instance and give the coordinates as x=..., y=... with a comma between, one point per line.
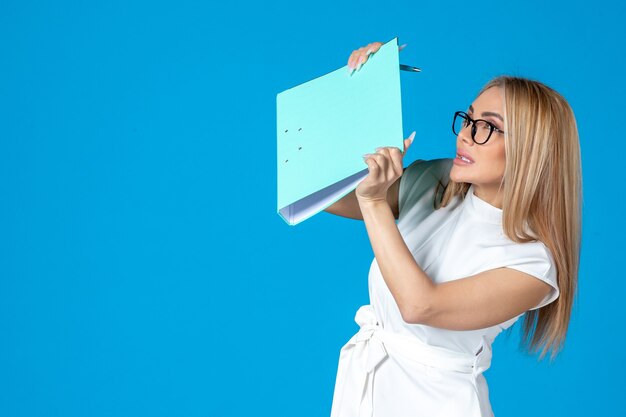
x=463, y=159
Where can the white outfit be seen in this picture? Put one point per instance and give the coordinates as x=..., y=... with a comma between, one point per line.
x=391, y=368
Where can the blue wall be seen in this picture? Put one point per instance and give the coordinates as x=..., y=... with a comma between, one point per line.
x=143, y=268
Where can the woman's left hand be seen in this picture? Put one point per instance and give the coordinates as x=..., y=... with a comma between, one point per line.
x=385, y=167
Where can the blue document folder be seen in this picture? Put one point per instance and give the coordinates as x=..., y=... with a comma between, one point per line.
x=325, y=125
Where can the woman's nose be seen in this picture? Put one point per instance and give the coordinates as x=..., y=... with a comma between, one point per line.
x=465, y=135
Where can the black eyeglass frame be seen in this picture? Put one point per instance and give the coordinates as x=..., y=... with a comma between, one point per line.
x=465, y=116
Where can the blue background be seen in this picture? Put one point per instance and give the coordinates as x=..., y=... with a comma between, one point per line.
x=143, y=268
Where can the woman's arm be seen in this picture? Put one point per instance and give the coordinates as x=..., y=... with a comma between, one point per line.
x=348, y=206
x=475, y=302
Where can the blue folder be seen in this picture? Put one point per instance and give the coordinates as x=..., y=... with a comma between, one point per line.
x=325, y=125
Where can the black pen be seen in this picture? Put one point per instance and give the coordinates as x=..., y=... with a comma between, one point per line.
x=409, y=68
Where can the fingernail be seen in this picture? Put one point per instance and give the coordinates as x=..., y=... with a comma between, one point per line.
x=350, y=70
x=358, y=67
x=412, y=136
x=366, y=155
x=369, y=51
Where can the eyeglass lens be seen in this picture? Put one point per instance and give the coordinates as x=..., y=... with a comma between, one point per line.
x=480, y=131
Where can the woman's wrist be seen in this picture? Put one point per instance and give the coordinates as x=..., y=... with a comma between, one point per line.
x=367, y=204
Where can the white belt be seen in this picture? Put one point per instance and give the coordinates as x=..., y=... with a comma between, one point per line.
x=366, y=350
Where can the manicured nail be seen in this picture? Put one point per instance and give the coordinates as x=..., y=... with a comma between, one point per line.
x=369, y=51
x=358, y=67
x=412, y=136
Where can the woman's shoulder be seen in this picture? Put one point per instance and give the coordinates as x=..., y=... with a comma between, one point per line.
x=425, y=173
x=420, y=180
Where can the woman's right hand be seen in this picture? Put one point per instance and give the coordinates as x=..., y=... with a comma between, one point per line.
x=360, y=56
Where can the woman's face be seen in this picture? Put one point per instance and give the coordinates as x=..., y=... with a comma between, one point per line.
x=485, y=168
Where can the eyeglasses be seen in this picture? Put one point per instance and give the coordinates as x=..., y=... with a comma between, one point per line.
x=481, y=129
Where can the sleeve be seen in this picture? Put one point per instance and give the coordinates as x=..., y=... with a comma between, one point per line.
x=536, y=260
x=418, y=184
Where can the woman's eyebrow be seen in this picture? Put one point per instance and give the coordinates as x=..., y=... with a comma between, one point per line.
x=490, y=113
x=487, y=113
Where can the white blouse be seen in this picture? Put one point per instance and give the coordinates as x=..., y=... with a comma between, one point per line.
x=394, y=368
x=459, y=240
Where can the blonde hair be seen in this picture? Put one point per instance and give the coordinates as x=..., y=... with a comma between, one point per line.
x=542, y=193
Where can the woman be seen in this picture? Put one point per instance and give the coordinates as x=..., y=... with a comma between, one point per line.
x=480, y=240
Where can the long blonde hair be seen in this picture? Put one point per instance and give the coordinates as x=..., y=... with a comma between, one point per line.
x=542, y=194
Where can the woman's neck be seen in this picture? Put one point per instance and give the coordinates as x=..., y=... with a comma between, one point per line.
x=491, y=195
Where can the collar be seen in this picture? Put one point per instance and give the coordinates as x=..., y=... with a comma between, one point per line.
x=481, y=208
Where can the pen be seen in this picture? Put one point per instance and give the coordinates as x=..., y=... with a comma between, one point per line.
x=409, y=68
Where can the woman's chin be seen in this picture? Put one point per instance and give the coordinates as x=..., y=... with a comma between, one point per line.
x=455, y=176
